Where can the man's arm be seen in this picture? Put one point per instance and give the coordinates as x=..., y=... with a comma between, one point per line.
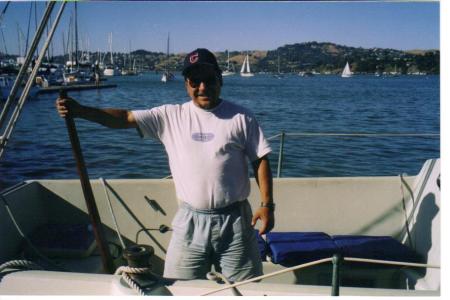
x=265, y=213
x=109, y=117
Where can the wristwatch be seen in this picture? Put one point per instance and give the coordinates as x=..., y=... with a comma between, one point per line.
x=270, y=205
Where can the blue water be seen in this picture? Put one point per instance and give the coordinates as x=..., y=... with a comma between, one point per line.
x=40, y=148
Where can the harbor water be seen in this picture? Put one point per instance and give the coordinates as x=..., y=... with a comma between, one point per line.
x=39, y=147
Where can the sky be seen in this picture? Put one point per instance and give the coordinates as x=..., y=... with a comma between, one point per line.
x=231, y=26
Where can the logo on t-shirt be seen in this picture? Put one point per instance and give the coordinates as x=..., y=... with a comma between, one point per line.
x=203, y=136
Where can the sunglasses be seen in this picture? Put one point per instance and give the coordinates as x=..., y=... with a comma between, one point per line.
x=209, y=80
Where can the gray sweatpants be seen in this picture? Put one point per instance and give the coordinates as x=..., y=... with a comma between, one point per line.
x=222, y=237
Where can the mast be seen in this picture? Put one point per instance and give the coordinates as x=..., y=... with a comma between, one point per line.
x=18, y=38
x=110, y=48
x=4, y=42
x=76, y=34
x=29, y=25
x=70, y=42
x=279, y=63
x=167, y=53
x=129, y=54
x=63, y=43
x=36, y=25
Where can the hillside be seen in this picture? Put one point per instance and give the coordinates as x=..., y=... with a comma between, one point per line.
x=321, y=57
x=300, y=57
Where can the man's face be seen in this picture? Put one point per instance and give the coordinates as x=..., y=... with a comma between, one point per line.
x=203, y=86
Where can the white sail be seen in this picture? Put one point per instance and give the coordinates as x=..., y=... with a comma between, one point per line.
x=245, y=70
x=346, y=72
x=243, y=65
x=248, y=65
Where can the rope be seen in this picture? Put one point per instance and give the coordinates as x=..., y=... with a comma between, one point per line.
x=125, y=271
x=20, y=264
x=317, y=262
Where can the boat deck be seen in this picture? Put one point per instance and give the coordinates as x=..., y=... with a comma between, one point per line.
x=369, y=206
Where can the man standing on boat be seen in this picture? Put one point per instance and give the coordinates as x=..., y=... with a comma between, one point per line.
x=208, y=141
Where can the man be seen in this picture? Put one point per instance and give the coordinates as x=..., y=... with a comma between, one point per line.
x=207, y=141
x=97, y=74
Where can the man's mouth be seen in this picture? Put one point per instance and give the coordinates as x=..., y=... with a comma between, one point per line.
x=203, y=96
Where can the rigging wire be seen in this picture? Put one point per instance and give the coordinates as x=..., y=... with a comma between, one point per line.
x=4, y=11
x=29, y=25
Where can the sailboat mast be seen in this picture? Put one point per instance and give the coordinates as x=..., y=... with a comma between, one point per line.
x=279, y=63
x=76, y=34
x=129, y=55
x=110, y=48
x=167, y=52
x=36, y=25
x=18, y=39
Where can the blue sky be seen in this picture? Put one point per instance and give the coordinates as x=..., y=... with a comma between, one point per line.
x=238, y=25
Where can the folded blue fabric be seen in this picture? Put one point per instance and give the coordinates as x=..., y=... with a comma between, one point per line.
x=294, y=248
x=374, y=247
x=262, y=246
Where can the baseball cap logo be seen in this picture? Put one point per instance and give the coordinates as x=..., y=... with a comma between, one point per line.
x=193, y=58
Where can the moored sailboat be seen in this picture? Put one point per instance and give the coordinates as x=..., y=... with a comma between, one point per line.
x=110, y=69
x=228, y=71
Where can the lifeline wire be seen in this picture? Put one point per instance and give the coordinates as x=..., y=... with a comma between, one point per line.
x=112, y=213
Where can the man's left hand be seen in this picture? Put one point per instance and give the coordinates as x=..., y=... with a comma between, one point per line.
x=267, y=218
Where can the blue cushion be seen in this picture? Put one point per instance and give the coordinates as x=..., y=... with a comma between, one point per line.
x=262, y=246
x=374, y=247
x=294, y=248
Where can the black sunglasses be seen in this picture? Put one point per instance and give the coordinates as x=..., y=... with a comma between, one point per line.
x=209, y=80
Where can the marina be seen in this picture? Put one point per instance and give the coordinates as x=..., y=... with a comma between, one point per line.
x=87, y=210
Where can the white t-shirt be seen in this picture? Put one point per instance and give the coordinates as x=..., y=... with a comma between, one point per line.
x=207, y=149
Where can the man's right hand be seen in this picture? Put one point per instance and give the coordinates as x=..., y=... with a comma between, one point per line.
x=66, y=105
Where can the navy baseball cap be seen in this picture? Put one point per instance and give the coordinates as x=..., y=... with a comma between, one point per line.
x=200, y=57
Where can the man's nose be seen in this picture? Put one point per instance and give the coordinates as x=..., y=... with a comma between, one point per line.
x=202, y=86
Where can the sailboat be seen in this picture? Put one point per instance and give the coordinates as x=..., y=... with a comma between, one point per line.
x=346, y=72
x=109, y=70
x=131, y=69
x=278, y=75
x=167, y=75
x=245, y=70
x=228, y=71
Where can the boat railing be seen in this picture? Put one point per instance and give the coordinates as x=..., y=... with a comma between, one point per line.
x=336, y=261
x=283, y=135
